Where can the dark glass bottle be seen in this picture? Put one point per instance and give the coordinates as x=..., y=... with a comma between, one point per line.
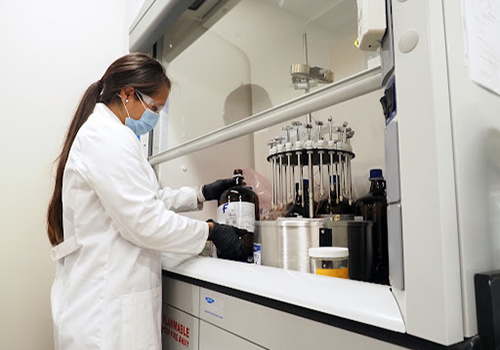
x=373, y=207
x=239, y=207
x=297, y=209
x=342, y=207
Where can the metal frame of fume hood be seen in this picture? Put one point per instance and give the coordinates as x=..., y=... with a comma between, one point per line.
x=356, y=85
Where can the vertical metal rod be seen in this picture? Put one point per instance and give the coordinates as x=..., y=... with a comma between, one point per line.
x=285, y=187
x=309, y=115
x=346, y=188
x=280, y=185
x=340, y=179
x=277, y=182
x=311, y=186
x=293, y=183
x=273, y=184
x=330, y=179
x=306, y=58
x=350, y=181
x=320, y=175
x=306, y=54
x=337, y=178
x=301, y=178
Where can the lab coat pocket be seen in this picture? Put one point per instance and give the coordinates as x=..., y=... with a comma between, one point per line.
x=141, y=316
x=56, y=296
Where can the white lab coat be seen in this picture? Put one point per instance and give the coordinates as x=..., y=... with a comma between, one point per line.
x=107, y=291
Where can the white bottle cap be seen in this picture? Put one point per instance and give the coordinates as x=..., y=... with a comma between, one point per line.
x=328, y=252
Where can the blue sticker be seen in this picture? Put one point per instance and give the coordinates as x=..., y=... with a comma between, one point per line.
x=209, y=300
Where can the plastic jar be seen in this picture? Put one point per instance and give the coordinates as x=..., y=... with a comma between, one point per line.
x=329, y=261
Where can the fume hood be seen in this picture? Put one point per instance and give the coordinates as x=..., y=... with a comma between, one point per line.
x=230, y=63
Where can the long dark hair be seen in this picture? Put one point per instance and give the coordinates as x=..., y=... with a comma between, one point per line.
x=133, y=70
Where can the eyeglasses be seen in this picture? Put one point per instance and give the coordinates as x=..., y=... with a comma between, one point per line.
x=149, y=102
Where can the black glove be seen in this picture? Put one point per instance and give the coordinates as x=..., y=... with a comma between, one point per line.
x=215, y=189
x=227, y=240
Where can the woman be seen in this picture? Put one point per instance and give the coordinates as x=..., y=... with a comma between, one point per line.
x=108, y=219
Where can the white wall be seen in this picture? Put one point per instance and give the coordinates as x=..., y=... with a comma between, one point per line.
x=51, y=52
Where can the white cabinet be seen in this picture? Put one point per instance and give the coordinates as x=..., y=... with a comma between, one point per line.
x=229, y=322
x=179, y=330
x=214, y=338
x=181, y=295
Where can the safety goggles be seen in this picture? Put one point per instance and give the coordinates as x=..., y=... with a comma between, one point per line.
x=150, y=102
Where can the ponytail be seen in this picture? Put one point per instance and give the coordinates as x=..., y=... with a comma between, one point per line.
x=54, y=213
x=133, y=70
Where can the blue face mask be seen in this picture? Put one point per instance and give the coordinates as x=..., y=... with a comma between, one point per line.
x=145, y=124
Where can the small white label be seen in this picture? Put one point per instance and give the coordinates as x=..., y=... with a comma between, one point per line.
x=213, y=307
x=238, y=214
x=257, y=252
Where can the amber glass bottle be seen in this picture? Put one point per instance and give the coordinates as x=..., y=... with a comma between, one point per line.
x=342, y=207
x=239, y=207
x=373, y=207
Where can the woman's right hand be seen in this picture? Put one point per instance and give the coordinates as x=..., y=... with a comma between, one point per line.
x=227, y=240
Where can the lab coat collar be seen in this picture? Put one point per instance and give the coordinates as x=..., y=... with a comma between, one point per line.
x=103, y=109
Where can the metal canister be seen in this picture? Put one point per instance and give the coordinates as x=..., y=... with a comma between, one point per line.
x=355, y=235
x=285, y=242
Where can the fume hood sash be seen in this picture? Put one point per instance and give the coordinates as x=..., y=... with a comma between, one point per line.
x=154, y=18
x=349, y=88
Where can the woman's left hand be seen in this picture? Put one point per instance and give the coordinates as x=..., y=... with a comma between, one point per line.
x=214, y=190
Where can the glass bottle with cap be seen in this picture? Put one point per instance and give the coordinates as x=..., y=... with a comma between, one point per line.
x=297, y=210
x=334, y=205
x=373, y=207
x=239, y=207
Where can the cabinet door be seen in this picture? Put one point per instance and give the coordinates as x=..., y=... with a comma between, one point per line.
x=179, y=330
x=214, y=338
x=181, y=295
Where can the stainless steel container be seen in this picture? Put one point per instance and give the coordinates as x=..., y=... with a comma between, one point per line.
x=286, y=242
x=266, y=234
x=296, y=236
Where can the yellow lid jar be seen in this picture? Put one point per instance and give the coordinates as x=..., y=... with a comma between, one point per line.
x=329, y=261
